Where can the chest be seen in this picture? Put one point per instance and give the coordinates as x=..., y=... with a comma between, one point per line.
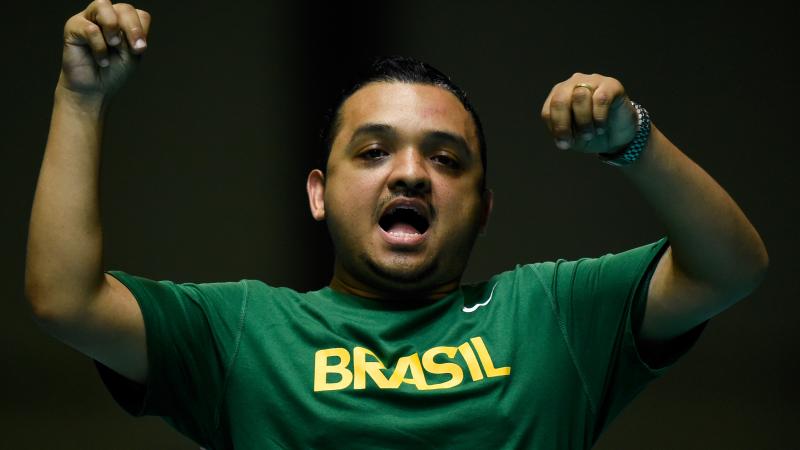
x=311, y=383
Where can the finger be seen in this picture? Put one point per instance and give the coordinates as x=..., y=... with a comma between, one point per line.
x=561, y=116
x=82, y=32
x=545, y=113
x=144, y=18
x=604, y=96
x=582, y=112
x=131, y=26
x=102, y=13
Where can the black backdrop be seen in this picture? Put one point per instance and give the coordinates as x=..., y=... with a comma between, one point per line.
x=207, y=148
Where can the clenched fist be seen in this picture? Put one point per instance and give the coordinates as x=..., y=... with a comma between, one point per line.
x=101, y=47
x=590, y=113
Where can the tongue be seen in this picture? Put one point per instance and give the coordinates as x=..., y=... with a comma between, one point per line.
x=402, y=228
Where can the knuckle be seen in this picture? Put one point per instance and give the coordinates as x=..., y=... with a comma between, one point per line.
x=110, y=20
x=72, y=22
x=600, y=111
x=601, y=99
x=561, y=129
x=110, y=24
x=580, y=95
x=124, y=7
x=91, y=29
x=101, y=7
x=559, y=103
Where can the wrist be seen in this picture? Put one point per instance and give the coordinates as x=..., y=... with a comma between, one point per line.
x=83, y=104
x=633, y=150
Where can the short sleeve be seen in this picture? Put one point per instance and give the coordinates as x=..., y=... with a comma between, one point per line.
x=600, y=302
x=192, y=333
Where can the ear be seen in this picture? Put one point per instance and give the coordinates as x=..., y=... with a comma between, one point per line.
x=315, y=187
x=488, y=202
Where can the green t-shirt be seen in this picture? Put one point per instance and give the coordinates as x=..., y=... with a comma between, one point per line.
x=539, y=357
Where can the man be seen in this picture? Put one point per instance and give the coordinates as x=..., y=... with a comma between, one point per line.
x=395, y=353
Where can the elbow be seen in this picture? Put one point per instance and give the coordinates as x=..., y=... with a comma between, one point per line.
x=38, y=298
x=38, y=307
x=42, y=310
x=50, y=311
x=741, y=278
x=53, y=303
x=754, y=273
x=43, y=313
x=52, y=318
x=762, y=267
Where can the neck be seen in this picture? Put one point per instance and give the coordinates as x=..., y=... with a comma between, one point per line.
x=345, y=283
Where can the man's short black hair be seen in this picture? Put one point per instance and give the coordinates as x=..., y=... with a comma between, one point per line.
x=396, y=69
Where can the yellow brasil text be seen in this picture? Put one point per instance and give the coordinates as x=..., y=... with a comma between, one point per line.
x=409, y=369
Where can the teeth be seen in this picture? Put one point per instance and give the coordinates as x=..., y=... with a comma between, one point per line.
x=401, y=234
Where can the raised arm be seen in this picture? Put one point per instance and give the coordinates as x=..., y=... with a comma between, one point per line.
x=69, y=294
x=715, y=258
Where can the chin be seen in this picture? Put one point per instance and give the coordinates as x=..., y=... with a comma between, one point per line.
x=401, y=274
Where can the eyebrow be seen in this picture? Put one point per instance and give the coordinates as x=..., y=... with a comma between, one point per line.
x=372, y=129
x=433, y=136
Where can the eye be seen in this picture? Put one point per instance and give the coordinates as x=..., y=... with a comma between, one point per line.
x=446, y=161
x=372, y=153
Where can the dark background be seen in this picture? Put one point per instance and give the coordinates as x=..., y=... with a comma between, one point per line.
x=207, y=149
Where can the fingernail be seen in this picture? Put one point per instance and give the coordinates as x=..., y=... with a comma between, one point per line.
x=139, y=44
x=563, y=144
x=115, y=40
x=104, y=62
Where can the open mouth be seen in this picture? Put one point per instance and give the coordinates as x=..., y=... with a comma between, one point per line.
x=404, y=220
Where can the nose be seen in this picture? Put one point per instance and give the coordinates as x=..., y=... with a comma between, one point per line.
x=409, y=173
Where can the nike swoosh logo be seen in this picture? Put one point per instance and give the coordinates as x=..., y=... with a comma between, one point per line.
x=478, y=305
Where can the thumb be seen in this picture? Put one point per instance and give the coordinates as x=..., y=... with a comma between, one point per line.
x=622, y=121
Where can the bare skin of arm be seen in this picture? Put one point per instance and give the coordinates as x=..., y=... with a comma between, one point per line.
x=716, y=257
x=70, y=296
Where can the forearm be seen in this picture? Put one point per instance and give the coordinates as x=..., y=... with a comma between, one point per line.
x=711, y=239
x=64, y=254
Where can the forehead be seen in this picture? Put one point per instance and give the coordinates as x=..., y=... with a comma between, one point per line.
x=409, y=107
